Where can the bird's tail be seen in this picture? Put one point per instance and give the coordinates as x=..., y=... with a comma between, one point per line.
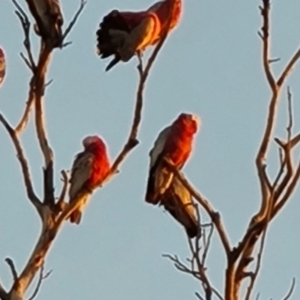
x=106, y=45
x=192, y=230
x=76, y=215
x=178, y=202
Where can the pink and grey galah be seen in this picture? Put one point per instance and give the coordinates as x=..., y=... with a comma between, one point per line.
x=2, y=66
x=124, y=34
x=175, y=144
x=88, y=171
x=49, y=20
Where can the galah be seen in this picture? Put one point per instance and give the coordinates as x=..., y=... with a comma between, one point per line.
x=174, y=143
x=124, y=34
x=177, y=200
x=88, y=171
x=2, y=66
x=49, y=20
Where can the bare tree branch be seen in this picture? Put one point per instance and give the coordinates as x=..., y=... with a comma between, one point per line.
x=24, y=120
x=11, y=264
x=199, y=296
x=24, y=165
x=198, y=274
x=288, y=68
x=207, y=244
x=265, y=10
x=290, y=114
x=291, y=290
x=270, y=194
x=74, y=20
x=26, y=28
x=42, y=277
x=261, y=155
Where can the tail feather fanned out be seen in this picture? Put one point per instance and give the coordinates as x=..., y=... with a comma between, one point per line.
x=106, y=46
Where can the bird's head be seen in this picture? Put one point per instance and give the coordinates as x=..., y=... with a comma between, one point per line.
x=189, y=122
x=92, y=143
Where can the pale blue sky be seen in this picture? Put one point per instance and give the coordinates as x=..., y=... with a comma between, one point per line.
x=211, y=66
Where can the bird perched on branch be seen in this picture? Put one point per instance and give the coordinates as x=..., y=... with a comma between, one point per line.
x=174, y=143
x=49, y=20
x=2, y=66
x=124, y=34
x=88, y=171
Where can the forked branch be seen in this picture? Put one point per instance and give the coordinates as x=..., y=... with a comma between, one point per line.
x=73, y=22
x=26, y=29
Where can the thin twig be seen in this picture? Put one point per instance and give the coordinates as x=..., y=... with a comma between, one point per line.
x=281, y=169
x=288, y=68
x=287, y=148
x=27, y=63
x=289, y=190
x=26, y=28
x=73, y=22
x=290, y=114
x=12, y=267
x=291, y=289
x=199, y=296
x=207, y=244
x=200, y=275
x=42, y=277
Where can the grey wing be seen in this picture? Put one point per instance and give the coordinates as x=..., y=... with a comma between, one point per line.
x=163, y=177
x=159, y=177
x=81, y=172
x=159, y=145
